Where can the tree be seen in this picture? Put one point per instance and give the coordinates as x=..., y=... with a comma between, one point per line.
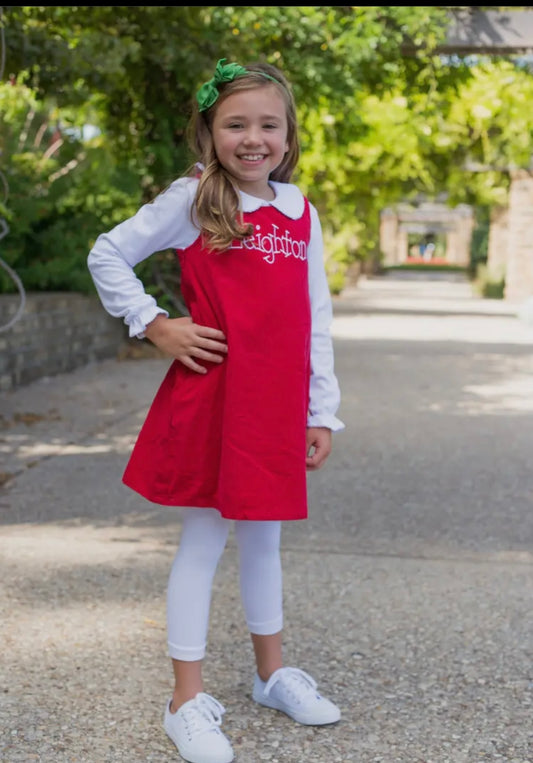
x=377, y=126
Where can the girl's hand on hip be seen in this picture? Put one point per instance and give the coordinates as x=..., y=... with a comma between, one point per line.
x=186, y=340
x=318, y=447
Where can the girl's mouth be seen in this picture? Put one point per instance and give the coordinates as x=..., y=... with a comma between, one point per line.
x=252, y=157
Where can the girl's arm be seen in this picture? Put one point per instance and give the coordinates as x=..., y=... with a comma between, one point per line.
x=324, y=388
x=162, y=224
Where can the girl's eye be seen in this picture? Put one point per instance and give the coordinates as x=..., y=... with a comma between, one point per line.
x=269, y=127
x=235, y=126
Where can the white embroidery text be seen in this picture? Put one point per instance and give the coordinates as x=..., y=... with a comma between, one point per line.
x=273, y=244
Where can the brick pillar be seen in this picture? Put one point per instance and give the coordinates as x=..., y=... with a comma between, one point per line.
x=519, y=279
x=459, y=238
x=498, y=245
x=451, y=247
x=402, y=246
x=388, y=232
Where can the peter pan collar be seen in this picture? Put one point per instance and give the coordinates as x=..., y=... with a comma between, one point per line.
x=289, y=200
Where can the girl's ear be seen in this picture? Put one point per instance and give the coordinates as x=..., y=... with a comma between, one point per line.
x=286, y=146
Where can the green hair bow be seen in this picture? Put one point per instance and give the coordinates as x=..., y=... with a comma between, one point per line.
x=208, y=93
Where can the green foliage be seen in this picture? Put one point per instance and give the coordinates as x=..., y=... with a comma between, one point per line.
x=420, y=267
x=489, y=284
x=480, y=239
x=61, y=190
x=488, y=132
x=383, y=119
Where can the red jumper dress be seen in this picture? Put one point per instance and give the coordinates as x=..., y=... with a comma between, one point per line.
x=234, y=438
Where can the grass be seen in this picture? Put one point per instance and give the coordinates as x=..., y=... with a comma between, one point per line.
x=422, y=265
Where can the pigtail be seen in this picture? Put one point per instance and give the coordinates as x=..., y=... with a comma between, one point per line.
x=218, y=208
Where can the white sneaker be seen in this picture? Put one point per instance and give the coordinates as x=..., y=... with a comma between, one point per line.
x=195, y=730
x=294, y=692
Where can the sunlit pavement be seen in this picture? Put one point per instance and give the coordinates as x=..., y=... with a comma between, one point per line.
x=409, y=590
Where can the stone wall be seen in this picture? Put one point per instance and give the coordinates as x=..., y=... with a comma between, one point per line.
x=57, y=332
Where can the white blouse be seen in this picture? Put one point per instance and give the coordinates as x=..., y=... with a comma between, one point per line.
x=165, y=223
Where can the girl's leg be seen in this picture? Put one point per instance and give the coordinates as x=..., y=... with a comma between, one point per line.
x=268, y=653
x=288, y=689
x=203, y=538
x=261, y=590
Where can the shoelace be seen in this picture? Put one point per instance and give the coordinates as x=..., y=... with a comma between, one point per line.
x=297, y=681
x=203, y=714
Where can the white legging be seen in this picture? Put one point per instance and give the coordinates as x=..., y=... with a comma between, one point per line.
x=203, y=539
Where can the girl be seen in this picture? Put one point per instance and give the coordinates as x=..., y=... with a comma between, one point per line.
x=249, y=402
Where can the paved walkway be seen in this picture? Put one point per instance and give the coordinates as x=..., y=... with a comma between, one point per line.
x=409, y=591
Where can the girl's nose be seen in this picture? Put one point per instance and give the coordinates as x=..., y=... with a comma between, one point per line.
x=252, y=136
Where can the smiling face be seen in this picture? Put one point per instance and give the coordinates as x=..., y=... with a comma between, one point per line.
x=249, y=133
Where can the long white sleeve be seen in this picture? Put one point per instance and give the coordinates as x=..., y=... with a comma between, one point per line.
x=165, y=223
x=162, y=224
x=324, y=387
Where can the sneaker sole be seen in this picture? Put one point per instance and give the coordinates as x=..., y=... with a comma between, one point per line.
x=203, y=759
x=305, y=720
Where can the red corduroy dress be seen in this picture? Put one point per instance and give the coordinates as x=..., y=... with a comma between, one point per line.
x=234, y=438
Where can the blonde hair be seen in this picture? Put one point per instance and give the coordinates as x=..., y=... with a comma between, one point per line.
x=217, y=205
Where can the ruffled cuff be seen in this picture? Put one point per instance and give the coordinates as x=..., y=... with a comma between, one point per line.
x=327, y=420
x=138, y=324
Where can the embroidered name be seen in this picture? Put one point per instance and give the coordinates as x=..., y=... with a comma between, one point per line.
x=273, y=244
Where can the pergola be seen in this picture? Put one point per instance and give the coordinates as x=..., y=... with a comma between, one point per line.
x=426, y=221
x=498, y=32
x=472, y=31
